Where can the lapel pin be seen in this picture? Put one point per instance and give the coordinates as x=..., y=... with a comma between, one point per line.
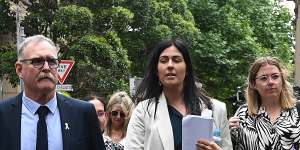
x=67, y=126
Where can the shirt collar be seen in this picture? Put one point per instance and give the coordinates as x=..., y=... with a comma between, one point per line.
x=33, y=106
x=262, y=111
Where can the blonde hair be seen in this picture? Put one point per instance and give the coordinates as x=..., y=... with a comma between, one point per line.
x=127, y=106
x=287, y=99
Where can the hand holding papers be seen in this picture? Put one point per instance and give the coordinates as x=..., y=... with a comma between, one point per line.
x=194, y=128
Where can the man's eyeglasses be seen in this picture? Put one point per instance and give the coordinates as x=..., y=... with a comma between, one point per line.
x=265, y=78
x=117, y=113
x=101, y=113
x=40, y=62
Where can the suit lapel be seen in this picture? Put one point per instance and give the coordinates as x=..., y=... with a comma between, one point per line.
x=164, y=124
x=14, y=121
x=65, y=115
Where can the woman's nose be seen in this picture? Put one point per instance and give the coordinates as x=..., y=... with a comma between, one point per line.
x=170, y=63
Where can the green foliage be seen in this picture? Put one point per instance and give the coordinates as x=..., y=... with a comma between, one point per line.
x=114, y=18
x=40, y=17
x=7, y=20
x=100, y=65
x=8, y=57
x=157, y=33
x=71, y=22
x=233, y=35
x=110, y=40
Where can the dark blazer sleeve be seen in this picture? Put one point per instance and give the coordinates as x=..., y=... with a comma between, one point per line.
x=10, y=123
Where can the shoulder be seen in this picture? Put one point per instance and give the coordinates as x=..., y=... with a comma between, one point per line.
x=218, y=104
x=243, y=108
x=72, y=102
x=146, y=104
x=219, y=109
x=242, y=111
x=14, y=101
x=8, y=101
x=143, y=111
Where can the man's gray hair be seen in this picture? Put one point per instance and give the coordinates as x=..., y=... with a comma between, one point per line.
x=33, y=39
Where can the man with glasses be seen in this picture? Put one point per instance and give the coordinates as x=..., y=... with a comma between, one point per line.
x=40, y=118
x=99, y=105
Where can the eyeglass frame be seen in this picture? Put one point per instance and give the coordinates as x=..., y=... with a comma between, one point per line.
x=30, y=61
x=274, y=77
x=101, y=113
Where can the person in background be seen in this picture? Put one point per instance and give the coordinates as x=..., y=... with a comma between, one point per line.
x=270, y=119
x=39, y=118
x=99, y=104
x=166, y=94
x=119, y=109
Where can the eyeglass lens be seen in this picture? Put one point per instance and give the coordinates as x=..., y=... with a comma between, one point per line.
x=265, y=77
x=40, y=62
x=100, y=113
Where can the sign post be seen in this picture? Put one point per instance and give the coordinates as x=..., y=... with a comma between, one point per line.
x=63, y=70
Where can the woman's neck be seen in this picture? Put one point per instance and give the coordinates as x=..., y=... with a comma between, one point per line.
x=273, y=109
x=116, y=135
x=271, y=103
x=116, y=128
x=173, y=93
x=175, y=98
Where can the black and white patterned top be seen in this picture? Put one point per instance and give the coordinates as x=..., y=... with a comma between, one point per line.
x=111, y=145
x=258, y=133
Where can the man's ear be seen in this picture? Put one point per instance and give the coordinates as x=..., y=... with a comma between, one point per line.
x=18, y=67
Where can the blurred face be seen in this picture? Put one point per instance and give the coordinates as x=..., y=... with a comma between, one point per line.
x=100, y=112
x=117, y=115
x=38, y=79
x=268, y=82
x=171, y=68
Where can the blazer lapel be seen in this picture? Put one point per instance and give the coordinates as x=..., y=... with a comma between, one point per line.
x=65, y=115
x=164, y=124
x=14, y=121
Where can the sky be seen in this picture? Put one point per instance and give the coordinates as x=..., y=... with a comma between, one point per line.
x=290, y=5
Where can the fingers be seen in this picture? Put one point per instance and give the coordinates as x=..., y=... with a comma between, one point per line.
x=234, y=122
x=207, y=145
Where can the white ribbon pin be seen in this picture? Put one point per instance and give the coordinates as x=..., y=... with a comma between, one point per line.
x=67, y=126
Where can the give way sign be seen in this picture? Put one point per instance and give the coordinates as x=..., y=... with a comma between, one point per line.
x=63, y=69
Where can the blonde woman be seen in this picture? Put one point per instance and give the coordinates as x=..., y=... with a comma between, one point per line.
x=270, y=119
x=119, y=109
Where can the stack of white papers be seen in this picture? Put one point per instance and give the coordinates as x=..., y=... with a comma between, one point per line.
x=193, y=128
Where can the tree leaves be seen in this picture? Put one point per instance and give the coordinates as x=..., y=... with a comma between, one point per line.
x=110, y=40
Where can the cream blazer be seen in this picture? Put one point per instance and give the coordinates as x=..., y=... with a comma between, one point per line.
x=145, y=132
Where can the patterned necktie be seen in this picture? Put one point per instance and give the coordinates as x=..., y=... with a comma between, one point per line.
x=42, y=136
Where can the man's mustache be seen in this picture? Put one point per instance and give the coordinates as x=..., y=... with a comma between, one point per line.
x=48, y=76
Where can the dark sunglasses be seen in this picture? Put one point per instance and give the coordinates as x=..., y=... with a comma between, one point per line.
x=40, y=62
x=117, y=113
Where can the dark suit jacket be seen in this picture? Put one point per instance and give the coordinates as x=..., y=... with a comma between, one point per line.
x=83, y=133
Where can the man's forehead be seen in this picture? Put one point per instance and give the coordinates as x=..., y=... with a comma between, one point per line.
x=33, y=44
x=39, y=48
x=97, y=103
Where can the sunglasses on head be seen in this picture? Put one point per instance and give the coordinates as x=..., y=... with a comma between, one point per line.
x=117, y=113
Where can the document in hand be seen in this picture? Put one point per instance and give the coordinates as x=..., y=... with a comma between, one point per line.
x=193, y=128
